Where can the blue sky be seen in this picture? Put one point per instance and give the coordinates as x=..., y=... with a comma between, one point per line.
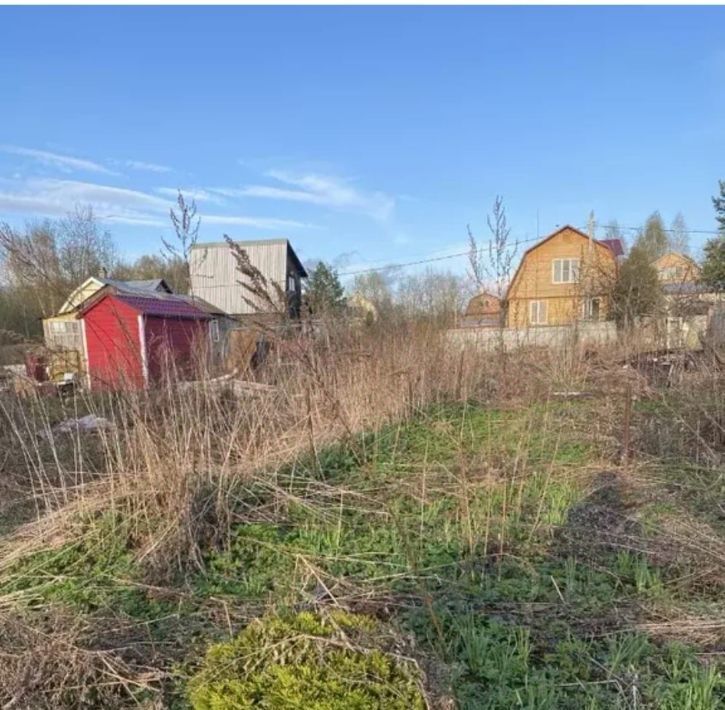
x=363, y=134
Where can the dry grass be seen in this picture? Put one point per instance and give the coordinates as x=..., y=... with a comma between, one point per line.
x=178, y=464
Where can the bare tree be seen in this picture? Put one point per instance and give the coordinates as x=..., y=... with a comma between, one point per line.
x=495, y=271
x=679, y=236
x=186, y=225
x=48, y=259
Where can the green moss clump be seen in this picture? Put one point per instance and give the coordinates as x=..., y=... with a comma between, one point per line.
x=304, y=661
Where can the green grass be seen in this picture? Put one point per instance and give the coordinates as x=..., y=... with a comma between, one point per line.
x=470, y=546
x=96, y=572
x=450, y=528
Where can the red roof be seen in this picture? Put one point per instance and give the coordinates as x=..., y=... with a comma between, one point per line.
x=615, y=246
x=167, y=306
x=163, y=305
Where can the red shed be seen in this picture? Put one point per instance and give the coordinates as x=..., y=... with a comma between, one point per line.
x=128, y=339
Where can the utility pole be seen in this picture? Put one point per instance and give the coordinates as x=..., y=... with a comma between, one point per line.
x=591, y=226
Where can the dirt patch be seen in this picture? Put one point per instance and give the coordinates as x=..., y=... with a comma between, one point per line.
x=604, y=521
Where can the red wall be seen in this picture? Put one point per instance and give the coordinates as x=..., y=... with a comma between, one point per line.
x=112, y=339
x=174, y=342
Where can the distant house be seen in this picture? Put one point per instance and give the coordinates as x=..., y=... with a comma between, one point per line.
x=563, y=278
x=216, y=279
x=676, y=268
x=129, y=339
x=483, y=310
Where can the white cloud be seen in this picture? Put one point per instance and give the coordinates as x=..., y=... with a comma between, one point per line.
x=193, y=193
x=148, y=167
x=258, y=222
x=317, y=189
x=65, y=162
x=53, y=198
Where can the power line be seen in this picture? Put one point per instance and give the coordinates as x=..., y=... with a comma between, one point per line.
x=687, y=231
x=430, y=260
x=467, y=252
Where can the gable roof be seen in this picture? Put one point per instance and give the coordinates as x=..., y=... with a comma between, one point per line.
x=546, y=239
x=133, y=286
x=139, y=285
x=678, y=254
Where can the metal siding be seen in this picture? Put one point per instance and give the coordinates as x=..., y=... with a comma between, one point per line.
x=112, y=340
x=171, y=342
x=214, y=276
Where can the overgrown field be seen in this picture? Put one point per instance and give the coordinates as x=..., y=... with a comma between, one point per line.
x=486, y=542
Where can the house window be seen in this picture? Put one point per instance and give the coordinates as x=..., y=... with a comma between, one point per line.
x=673, y=273
x=537, y=312
x=214, y=330
x=565, y=271
x=291, y=284
x=591, y=308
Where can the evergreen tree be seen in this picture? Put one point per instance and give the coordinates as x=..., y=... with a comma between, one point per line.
x=653, y=239
x=713, y=265
x=637, y=291
x=324, y=292
x=719, y=204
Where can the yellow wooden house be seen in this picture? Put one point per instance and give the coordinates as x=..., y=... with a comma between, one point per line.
x=564, y=278
x=676, y=268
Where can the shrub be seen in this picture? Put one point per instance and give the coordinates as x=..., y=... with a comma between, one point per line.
x=308, y=661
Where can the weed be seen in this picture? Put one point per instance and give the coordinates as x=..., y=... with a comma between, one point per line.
x=306, y=661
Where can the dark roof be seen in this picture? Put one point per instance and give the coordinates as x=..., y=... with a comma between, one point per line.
x=158, y=303
x=685, y=288
x=170, y=307
x=615, y=245
x=152, y=285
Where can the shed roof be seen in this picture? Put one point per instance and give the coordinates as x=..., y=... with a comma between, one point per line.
x=76, y=299
x=139, y=284
x=164, y=305
x=686, y=288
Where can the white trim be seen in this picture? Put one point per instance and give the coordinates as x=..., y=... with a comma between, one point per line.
x=86, y=364
x=71, y=302
x=539, y=320
x=572, y=260
x=144, y=354
x=214, y=332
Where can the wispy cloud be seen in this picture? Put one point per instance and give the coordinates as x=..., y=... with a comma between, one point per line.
x=194, y=193
x=258, y=222
x=64, y=162
x=316, y=189
x=53, y=198
x=148, y=167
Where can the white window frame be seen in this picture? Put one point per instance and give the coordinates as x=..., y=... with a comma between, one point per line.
x=587, y=308
x=572, y=268
x=538, y=307
x=291, y=283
